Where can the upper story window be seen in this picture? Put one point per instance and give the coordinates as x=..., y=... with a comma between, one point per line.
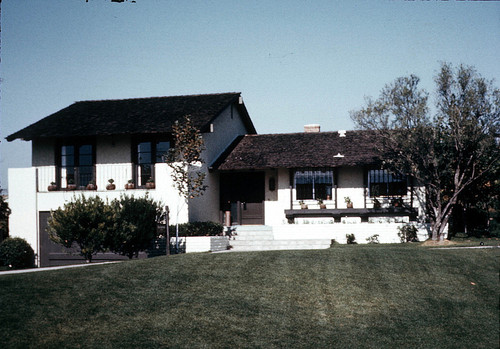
x=76, y=164
x=384, y=183
x=146, y=154
x=313, y=183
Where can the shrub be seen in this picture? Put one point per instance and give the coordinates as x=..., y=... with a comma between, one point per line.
x=4, y=218
x=84, y=222
x=16, y=253
x=199, y=229
x=408, y=233
x=126, y=226
x=134, y=225
x=460, y=235
x=495, y=227
x=373, y=239
x=351, y=239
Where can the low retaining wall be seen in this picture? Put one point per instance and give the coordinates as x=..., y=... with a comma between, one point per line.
x=201, y=243
x=387, y=232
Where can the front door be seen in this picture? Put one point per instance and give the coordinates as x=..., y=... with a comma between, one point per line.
x=243, y=195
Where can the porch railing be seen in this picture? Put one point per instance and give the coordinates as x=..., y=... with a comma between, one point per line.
x=120, y=173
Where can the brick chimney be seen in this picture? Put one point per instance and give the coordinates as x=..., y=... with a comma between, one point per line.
x=311, y=128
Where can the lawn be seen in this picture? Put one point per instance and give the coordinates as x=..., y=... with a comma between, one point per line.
x=349, y=296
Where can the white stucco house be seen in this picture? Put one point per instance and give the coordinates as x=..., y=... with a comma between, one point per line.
x=121, y=140
x=253, y=180
x=270, y=179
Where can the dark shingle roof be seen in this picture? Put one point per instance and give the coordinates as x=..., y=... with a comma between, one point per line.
x=132, y=116
x=301, y=150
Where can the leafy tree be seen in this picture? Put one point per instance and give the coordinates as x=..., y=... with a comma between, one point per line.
x=84, y=221
x=134, y=225
x=447, y=152
x=185, y=159
x=478, y=206
x=4, y=219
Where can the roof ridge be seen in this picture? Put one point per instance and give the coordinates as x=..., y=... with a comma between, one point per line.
x=302, y=133
x=157, y=97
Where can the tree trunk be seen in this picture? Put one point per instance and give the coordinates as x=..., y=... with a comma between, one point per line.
x=439, y=225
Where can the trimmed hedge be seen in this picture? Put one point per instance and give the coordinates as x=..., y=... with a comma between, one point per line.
x=198, y=229
x=16, y=253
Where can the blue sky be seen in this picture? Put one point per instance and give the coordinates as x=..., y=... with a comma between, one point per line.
x=295, y=62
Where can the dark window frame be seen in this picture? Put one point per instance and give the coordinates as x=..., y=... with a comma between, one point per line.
x=74, y=170
x=386, y=184
x=313, y=183
x=139, y=177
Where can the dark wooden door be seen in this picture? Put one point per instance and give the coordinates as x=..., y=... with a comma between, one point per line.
x=251, y=213
x=243, y=194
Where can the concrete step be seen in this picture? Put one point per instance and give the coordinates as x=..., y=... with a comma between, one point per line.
x=253, y=236
x=251, y=232
x=261, y=238
x=263, y=245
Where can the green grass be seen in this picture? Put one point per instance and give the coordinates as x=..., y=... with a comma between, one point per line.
x=473, y=241
x=371, y=296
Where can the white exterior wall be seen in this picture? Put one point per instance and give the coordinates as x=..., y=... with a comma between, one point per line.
x=202, y=243
x=350, y=183
x=387, y=232
x=113, y=160
x=26, y=203
x=164, y=193
x=23, y=221
x=278, y=201
x=226, y=127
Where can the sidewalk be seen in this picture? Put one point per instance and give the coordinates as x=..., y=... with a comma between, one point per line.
x=34, y=270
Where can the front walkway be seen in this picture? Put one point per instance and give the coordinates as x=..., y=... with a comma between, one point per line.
x=34, y=270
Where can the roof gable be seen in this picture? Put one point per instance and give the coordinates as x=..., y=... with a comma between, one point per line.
x=132, y=116
x=323, y=149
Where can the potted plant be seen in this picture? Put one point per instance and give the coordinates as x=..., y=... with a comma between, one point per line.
x=150, y=184
x=52, y=186
x=348, y=202
x=110, y=185
x=130, y=184
x=71, y=184
x=376, y=203
x=303, y=206
x=321, y=204
x=91, y=185
x=397, y=202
